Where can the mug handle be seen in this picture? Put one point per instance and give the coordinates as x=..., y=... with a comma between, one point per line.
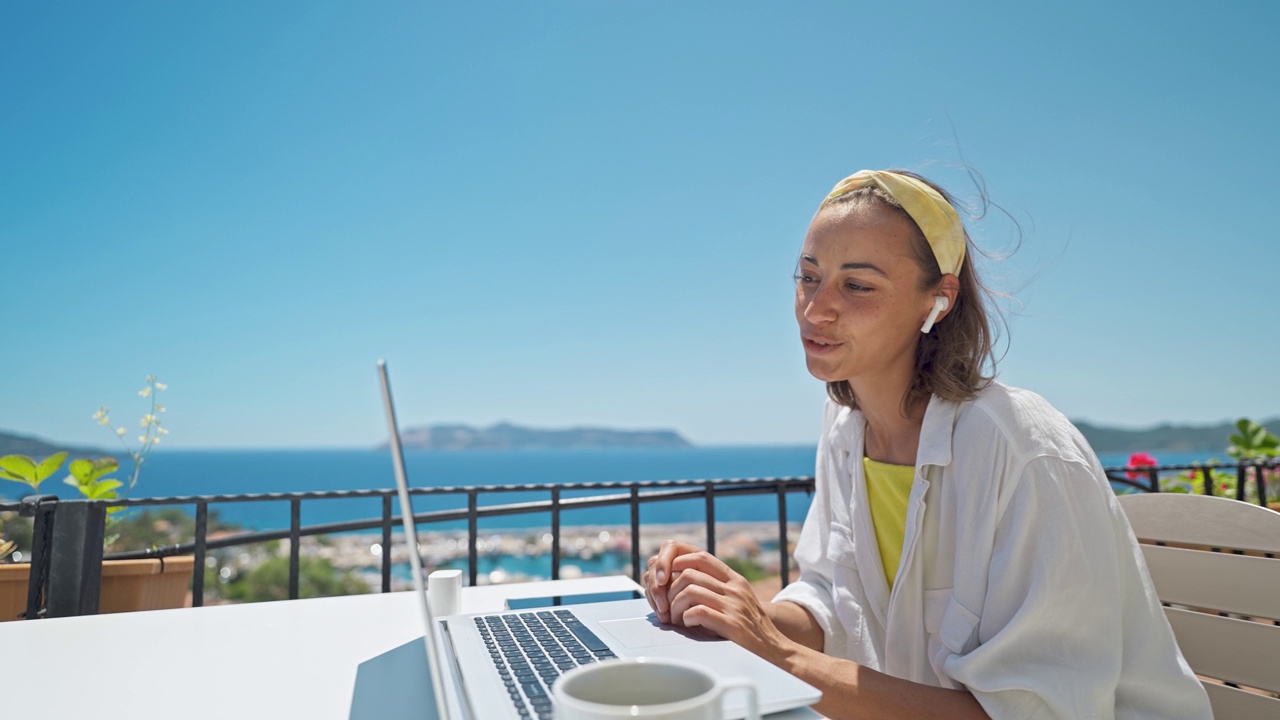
x=753, y=707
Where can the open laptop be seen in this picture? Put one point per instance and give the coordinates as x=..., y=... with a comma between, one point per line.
x=507, y=662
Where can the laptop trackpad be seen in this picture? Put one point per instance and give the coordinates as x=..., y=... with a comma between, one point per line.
x=642, y=632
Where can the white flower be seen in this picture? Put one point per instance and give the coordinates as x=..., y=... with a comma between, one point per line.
x=162, y=431
x=151, y=379
x=145, y=392
x=147, y=420
x=161, y=386
x=120, y=431
x=102, y=412
x=159, y=407
x=142, y=439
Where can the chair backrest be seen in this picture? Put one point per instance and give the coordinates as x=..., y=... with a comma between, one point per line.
x=1216, y=566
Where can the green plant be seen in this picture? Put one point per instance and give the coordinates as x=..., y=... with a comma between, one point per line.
x=1251, y=442
x=152, y=429
x=317, y=577
x=18, y=530
x=20, y=468
x=87, y=477
x=747, y=568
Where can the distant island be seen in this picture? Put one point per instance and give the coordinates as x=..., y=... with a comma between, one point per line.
x=506, y=436
x=12, y=444
x=1163, y=438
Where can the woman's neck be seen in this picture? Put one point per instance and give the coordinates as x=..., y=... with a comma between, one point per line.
x=893, y=428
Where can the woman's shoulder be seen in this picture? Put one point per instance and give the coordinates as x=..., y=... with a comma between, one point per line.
x=1025, y=423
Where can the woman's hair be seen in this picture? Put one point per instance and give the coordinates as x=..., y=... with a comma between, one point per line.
x=956, y=359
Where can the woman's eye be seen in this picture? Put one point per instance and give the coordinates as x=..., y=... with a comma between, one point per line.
x=855, y=287
x=804, y=279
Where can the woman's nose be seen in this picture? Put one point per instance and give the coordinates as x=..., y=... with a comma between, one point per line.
x=818, y=305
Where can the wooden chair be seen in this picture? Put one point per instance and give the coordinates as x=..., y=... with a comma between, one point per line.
x=1216, y=566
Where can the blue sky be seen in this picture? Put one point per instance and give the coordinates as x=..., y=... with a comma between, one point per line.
x=588, y=212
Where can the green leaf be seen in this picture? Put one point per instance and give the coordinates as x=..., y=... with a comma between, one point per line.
x=99, y=492
x=108, y=485
x=72, y=482
x=21, y=466
x=6, y=475
x=88, y=470
x=49, y=466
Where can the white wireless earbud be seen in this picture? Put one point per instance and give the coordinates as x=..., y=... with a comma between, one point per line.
x=940, y=303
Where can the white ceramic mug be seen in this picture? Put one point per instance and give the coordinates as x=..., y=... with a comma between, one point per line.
x=645, y=688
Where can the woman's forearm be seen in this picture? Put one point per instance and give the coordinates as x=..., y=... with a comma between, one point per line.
x=849, y=690
x=853, y=692
x=796, y=623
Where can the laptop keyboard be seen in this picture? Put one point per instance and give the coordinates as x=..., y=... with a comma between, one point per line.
x=532, y=649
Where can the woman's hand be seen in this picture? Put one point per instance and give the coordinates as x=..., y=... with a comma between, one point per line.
x=657, y=576
x=705, y=592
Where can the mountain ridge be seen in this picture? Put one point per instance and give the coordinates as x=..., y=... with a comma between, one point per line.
x=509, y=436
x=1164, y=437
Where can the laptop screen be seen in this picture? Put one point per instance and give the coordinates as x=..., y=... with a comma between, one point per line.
x=411, y=537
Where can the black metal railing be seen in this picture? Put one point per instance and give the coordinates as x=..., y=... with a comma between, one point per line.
x=67, y=540
x=632, y=495
x=1147, y=478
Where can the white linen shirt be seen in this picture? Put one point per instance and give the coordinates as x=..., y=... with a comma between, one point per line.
x=1020, y=579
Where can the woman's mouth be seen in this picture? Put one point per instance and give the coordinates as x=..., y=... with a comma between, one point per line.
x=819, y=347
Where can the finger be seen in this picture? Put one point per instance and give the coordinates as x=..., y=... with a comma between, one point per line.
x=690, y=597
x=706, y=563
x=648, y=593
x=685, y=578
x=670, y=550
x=708, y=620
x=655, y=593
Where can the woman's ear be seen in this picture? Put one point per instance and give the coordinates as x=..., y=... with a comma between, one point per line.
x=948, y=287
x=944, y=298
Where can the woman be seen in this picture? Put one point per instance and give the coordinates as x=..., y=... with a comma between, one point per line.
x=964, y=555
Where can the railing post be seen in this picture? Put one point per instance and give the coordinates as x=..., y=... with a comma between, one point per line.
x=75, y=560
x=1154, y=475
x=636, y=572
x=1261, y=481
x=473, y=537
x=710, y=489
x=555, y=533
x=202, y=534
x=1207, y=476
x=295, y=538
x=386, y=543
x=1241, y=478
x=784, y=559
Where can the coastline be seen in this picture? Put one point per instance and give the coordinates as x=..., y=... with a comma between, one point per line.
x=512, y=555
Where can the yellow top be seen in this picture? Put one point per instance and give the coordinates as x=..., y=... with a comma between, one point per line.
x=888, y=487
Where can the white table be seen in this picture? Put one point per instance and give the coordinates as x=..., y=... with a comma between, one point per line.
x=290, y=659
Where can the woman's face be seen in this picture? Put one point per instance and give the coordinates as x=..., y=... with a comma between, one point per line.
x=858, y=301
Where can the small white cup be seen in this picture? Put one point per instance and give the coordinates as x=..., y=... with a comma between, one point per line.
x=444, y=592
x=645, y=688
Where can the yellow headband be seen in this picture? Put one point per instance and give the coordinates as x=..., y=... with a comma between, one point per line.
x=933, y=214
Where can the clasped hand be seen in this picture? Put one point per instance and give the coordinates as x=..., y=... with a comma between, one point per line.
x=687, y=586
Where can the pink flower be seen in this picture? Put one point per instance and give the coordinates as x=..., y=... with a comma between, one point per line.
x=1138, y=460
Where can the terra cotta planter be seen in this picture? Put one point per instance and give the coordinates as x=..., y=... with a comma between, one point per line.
x=127, y=585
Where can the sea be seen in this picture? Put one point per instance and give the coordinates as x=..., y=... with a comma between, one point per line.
x=175, y=473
